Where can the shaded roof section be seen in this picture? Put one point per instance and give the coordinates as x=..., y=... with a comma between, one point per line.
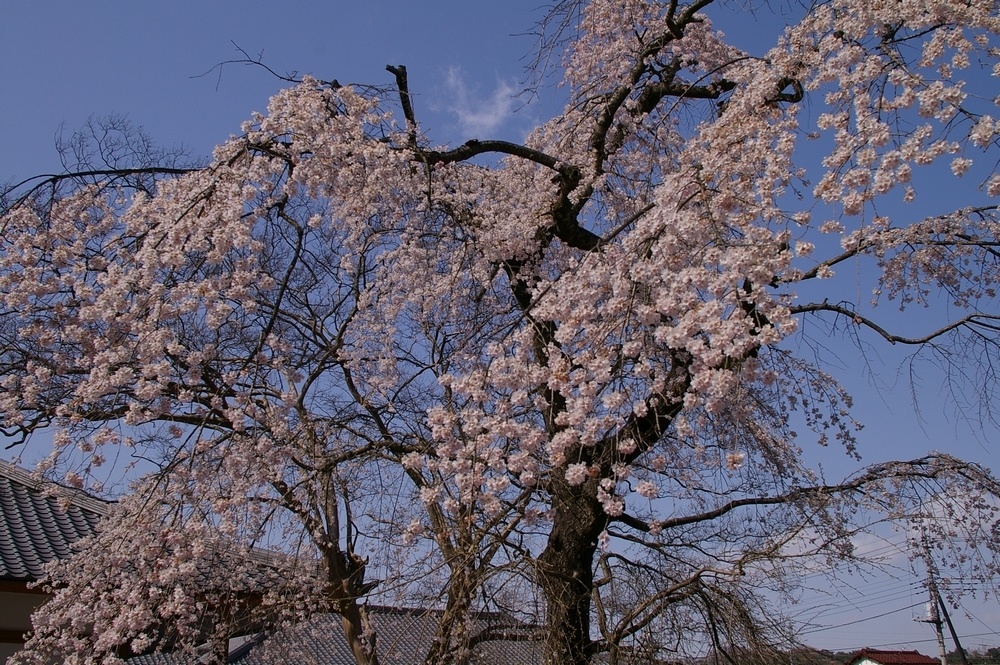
x=40, y=522
x=894, y=657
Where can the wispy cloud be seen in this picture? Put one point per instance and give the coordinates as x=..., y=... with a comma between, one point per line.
x=478, y=116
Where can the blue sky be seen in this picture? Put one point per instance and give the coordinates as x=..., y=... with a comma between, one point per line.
x=63, y=61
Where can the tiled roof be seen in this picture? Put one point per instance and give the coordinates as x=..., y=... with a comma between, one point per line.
x=166, y=659
x=37, y=526
x=895, y=657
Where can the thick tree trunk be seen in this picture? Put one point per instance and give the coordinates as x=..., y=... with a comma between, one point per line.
x=346, y=575
x=362, y=646
x=566, y=572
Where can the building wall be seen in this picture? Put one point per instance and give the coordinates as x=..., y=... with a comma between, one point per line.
x=15, y=619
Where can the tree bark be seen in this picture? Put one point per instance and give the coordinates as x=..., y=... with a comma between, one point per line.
x=346, y=574
x=362, y=646
x=566, y=571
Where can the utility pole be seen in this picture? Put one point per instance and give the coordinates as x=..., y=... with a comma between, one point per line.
x=933, y=615
x=934, y=618
x=935, y=608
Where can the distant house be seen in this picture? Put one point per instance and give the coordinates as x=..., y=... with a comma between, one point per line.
x=39, y=523
x=880, y=657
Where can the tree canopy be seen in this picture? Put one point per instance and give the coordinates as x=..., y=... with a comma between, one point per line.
x=562, y=377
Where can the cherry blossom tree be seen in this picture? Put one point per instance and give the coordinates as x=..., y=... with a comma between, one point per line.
x=573, y=354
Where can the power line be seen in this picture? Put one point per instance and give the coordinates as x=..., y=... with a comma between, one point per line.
x=893, y=644
x=862, y=620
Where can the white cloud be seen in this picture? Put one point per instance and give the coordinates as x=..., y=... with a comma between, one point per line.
x=478, y=117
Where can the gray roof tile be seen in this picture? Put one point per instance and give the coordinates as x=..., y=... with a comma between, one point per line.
x=38, y=526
